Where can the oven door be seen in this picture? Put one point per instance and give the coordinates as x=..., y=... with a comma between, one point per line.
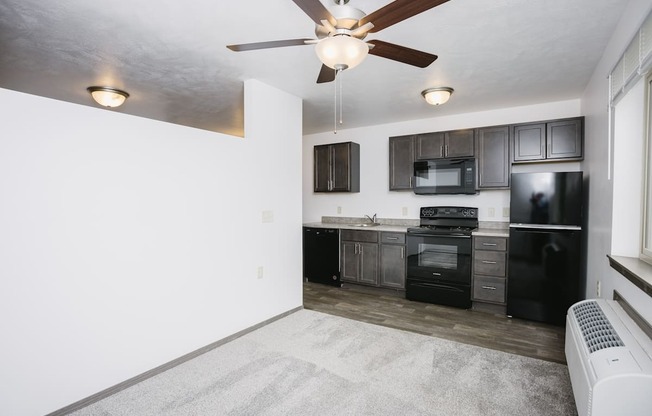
x=439, y=258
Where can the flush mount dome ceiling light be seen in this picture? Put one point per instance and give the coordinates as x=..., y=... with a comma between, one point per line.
x=438, y=95
x=108, y=97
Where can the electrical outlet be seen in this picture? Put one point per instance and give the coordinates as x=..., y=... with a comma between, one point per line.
x=506, y=212
x=492, y=212
x=259, y=272
x=404, y=211
x=339, y=210
x=598, y=290
x=268, y=216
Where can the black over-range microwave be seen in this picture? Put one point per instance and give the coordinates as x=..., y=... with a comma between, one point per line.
x=444, y=176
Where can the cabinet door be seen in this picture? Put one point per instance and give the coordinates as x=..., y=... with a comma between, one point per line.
x=350, y=261
x=459, y=143
x=392, y=266
x=430, y=146
x=564, y=139
x=493, y=157
x=341, y=166
x=322, y=168
x=529, y=142
x=368, y=254
x=401, y=162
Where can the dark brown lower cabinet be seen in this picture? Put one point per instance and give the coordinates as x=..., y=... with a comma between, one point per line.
x=360, y=256
x=392, y=260
x=489, y=270
x=373, y=258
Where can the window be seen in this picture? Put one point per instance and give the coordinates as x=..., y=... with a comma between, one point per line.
x=646, y=243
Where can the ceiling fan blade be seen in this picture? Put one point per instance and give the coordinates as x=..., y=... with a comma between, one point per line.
x=316, y=11
x=397, y=11
x=326, y=74
x=271, y=44
x=401, y=53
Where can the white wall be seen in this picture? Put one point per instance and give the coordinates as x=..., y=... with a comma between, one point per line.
x=374, y=196
x=127, y=242
x=628, y=158
x=596, y=166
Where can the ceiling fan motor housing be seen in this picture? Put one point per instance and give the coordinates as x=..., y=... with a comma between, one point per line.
x=347, y=17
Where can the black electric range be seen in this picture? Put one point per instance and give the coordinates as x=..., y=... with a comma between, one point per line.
x=439, y=256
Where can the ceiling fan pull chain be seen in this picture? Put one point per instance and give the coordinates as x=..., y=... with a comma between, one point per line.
x=335, y=102
x=340, y=77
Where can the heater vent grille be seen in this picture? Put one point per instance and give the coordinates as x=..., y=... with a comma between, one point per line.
x=595, y=327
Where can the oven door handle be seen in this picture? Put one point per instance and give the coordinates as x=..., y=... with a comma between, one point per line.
x=438, y=286
x=439, y=235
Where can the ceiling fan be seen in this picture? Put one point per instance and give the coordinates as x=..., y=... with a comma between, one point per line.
x=340, y=35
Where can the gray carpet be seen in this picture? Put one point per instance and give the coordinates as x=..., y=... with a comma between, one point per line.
x=310, y=363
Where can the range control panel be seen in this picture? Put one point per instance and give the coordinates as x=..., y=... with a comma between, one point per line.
x=449, y=212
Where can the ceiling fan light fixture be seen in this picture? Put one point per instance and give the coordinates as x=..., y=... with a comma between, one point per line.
x=108, y=97
x=341, y=51
x=437, y=96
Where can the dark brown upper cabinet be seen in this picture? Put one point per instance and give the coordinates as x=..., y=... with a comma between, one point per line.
x=445, y=144
x=494, y=165
x=337, y=167
x=401, y=162
x=405, y=150
x=555, y=140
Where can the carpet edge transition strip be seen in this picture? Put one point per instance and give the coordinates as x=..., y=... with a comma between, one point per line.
x=164, y=367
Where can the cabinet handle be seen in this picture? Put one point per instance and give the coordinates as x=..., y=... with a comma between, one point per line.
x=360, y=249
x=489, y=287
x=489, y=244
x=436, y=274
x=446, y=149
x=402, y=252
x=392, y=238
x=488, y=262
x=441, y=151
x=410, y=181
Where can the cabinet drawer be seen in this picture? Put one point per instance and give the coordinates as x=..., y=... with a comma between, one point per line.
x=491, y=243
x=490, y=289
x=489, y=262
x=360, y=235
x=392, y=238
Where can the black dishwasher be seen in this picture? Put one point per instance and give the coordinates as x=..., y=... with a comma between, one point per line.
x=321, y=255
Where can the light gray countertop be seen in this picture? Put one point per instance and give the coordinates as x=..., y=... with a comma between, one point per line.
x=341, y=226
x=491, y=232
x=486, y=229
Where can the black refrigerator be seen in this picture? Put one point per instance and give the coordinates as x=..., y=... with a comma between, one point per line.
x=545, y=238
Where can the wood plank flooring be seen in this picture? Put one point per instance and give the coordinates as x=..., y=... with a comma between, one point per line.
x=387, y=308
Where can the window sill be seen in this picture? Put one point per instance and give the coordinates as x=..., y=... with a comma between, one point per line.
x=635, y=270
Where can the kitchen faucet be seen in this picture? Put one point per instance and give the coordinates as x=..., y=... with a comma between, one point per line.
x=372, y=219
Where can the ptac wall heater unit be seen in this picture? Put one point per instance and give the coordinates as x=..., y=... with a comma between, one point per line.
x=609, y=360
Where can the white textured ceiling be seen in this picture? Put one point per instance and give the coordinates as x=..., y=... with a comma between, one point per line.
x=171, y=56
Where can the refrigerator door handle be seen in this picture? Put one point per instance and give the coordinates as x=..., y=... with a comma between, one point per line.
x=544, y=227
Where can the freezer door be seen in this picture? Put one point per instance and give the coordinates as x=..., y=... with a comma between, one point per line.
x=543, y=273
x=546, y=198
